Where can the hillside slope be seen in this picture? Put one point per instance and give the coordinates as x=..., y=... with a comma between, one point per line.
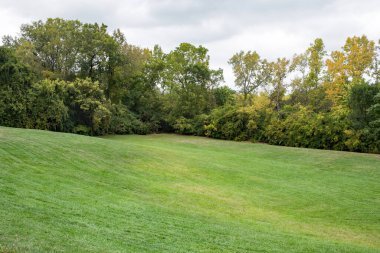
x=167, y=193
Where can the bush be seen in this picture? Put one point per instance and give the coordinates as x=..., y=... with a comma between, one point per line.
x=81, y=129
x=88, y=105
x=232, y=123
x=15, y=80
x=305, y=128
x=184, y=126
x=199, y=124
x=46, y=107
x=125, y=122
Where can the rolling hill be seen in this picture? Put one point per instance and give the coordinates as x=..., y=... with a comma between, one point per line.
x=169, y=193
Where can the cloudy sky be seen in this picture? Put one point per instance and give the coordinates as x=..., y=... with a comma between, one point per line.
x=274, y=28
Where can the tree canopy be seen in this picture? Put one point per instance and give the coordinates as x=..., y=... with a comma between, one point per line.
x=65, y=75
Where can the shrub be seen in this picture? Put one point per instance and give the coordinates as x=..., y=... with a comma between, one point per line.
x=46, y=107
x=305, y=128
x=125, y=122
x=183, y=126
x=232, y=123
x=88, y=105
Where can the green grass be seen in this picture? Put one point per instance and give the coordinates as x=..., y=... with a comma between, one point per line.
x=168, y=193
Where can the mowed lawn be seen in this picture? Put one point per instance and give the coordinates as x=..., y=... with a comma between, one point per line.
x=168, y=193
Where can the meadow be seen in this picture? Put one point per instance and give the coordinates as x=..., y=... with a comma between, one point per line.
x=63, y=192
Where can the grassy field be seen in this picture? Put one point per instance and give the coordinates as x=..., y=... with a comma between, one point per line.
x=167, y=193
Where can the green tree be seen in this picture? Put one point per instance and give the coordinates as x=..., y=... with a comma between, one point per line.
x=315, y=54
x=308, y=71
x=223, y=95
x=96, y=49
x=68, y=49
x=250, y=72
x=127, y=64
x=188, y=81
x=89, y=109
x=371, y=142
x=55, y=43
x=15, y=80
x=279, y=71
x=360, y=101
x=376, y=64
x=46, y=107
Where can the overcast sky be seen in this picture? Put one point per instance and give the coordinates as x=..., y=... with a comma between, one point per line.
x=274, y=28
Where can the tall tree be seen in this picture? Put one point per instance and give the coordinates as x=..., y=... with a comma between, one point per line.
x=250, y=72
x=67, y=49
x=55, y=44
x=308, y=73
x=189, y=80
x=348, y=68
x=279, y=70
x=15, y=80
x=376, y=64
x=315, y=54
x=359, y=52
x=337, y=79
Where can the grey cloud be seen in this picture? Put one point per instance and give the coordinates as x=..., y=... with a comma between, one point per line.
x=272, y=27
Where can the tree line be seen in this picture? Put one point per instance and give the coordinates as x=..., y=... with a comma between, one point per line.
x=69, y=76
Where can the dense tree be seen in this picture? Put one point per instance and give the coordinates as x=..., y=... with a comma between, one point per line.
x=46, y=106
x=88, y=107
x=223, y=95
x=361, y=98
x=64, y=75
x=55, y=43
x=15, y=80
x=68, y=49
x=359, y=52
x=372, y=142
x=348, y=68
x=188, y=81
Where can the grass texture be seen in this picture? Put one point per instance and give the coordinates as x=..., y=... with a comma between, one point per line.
x=169, y=193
